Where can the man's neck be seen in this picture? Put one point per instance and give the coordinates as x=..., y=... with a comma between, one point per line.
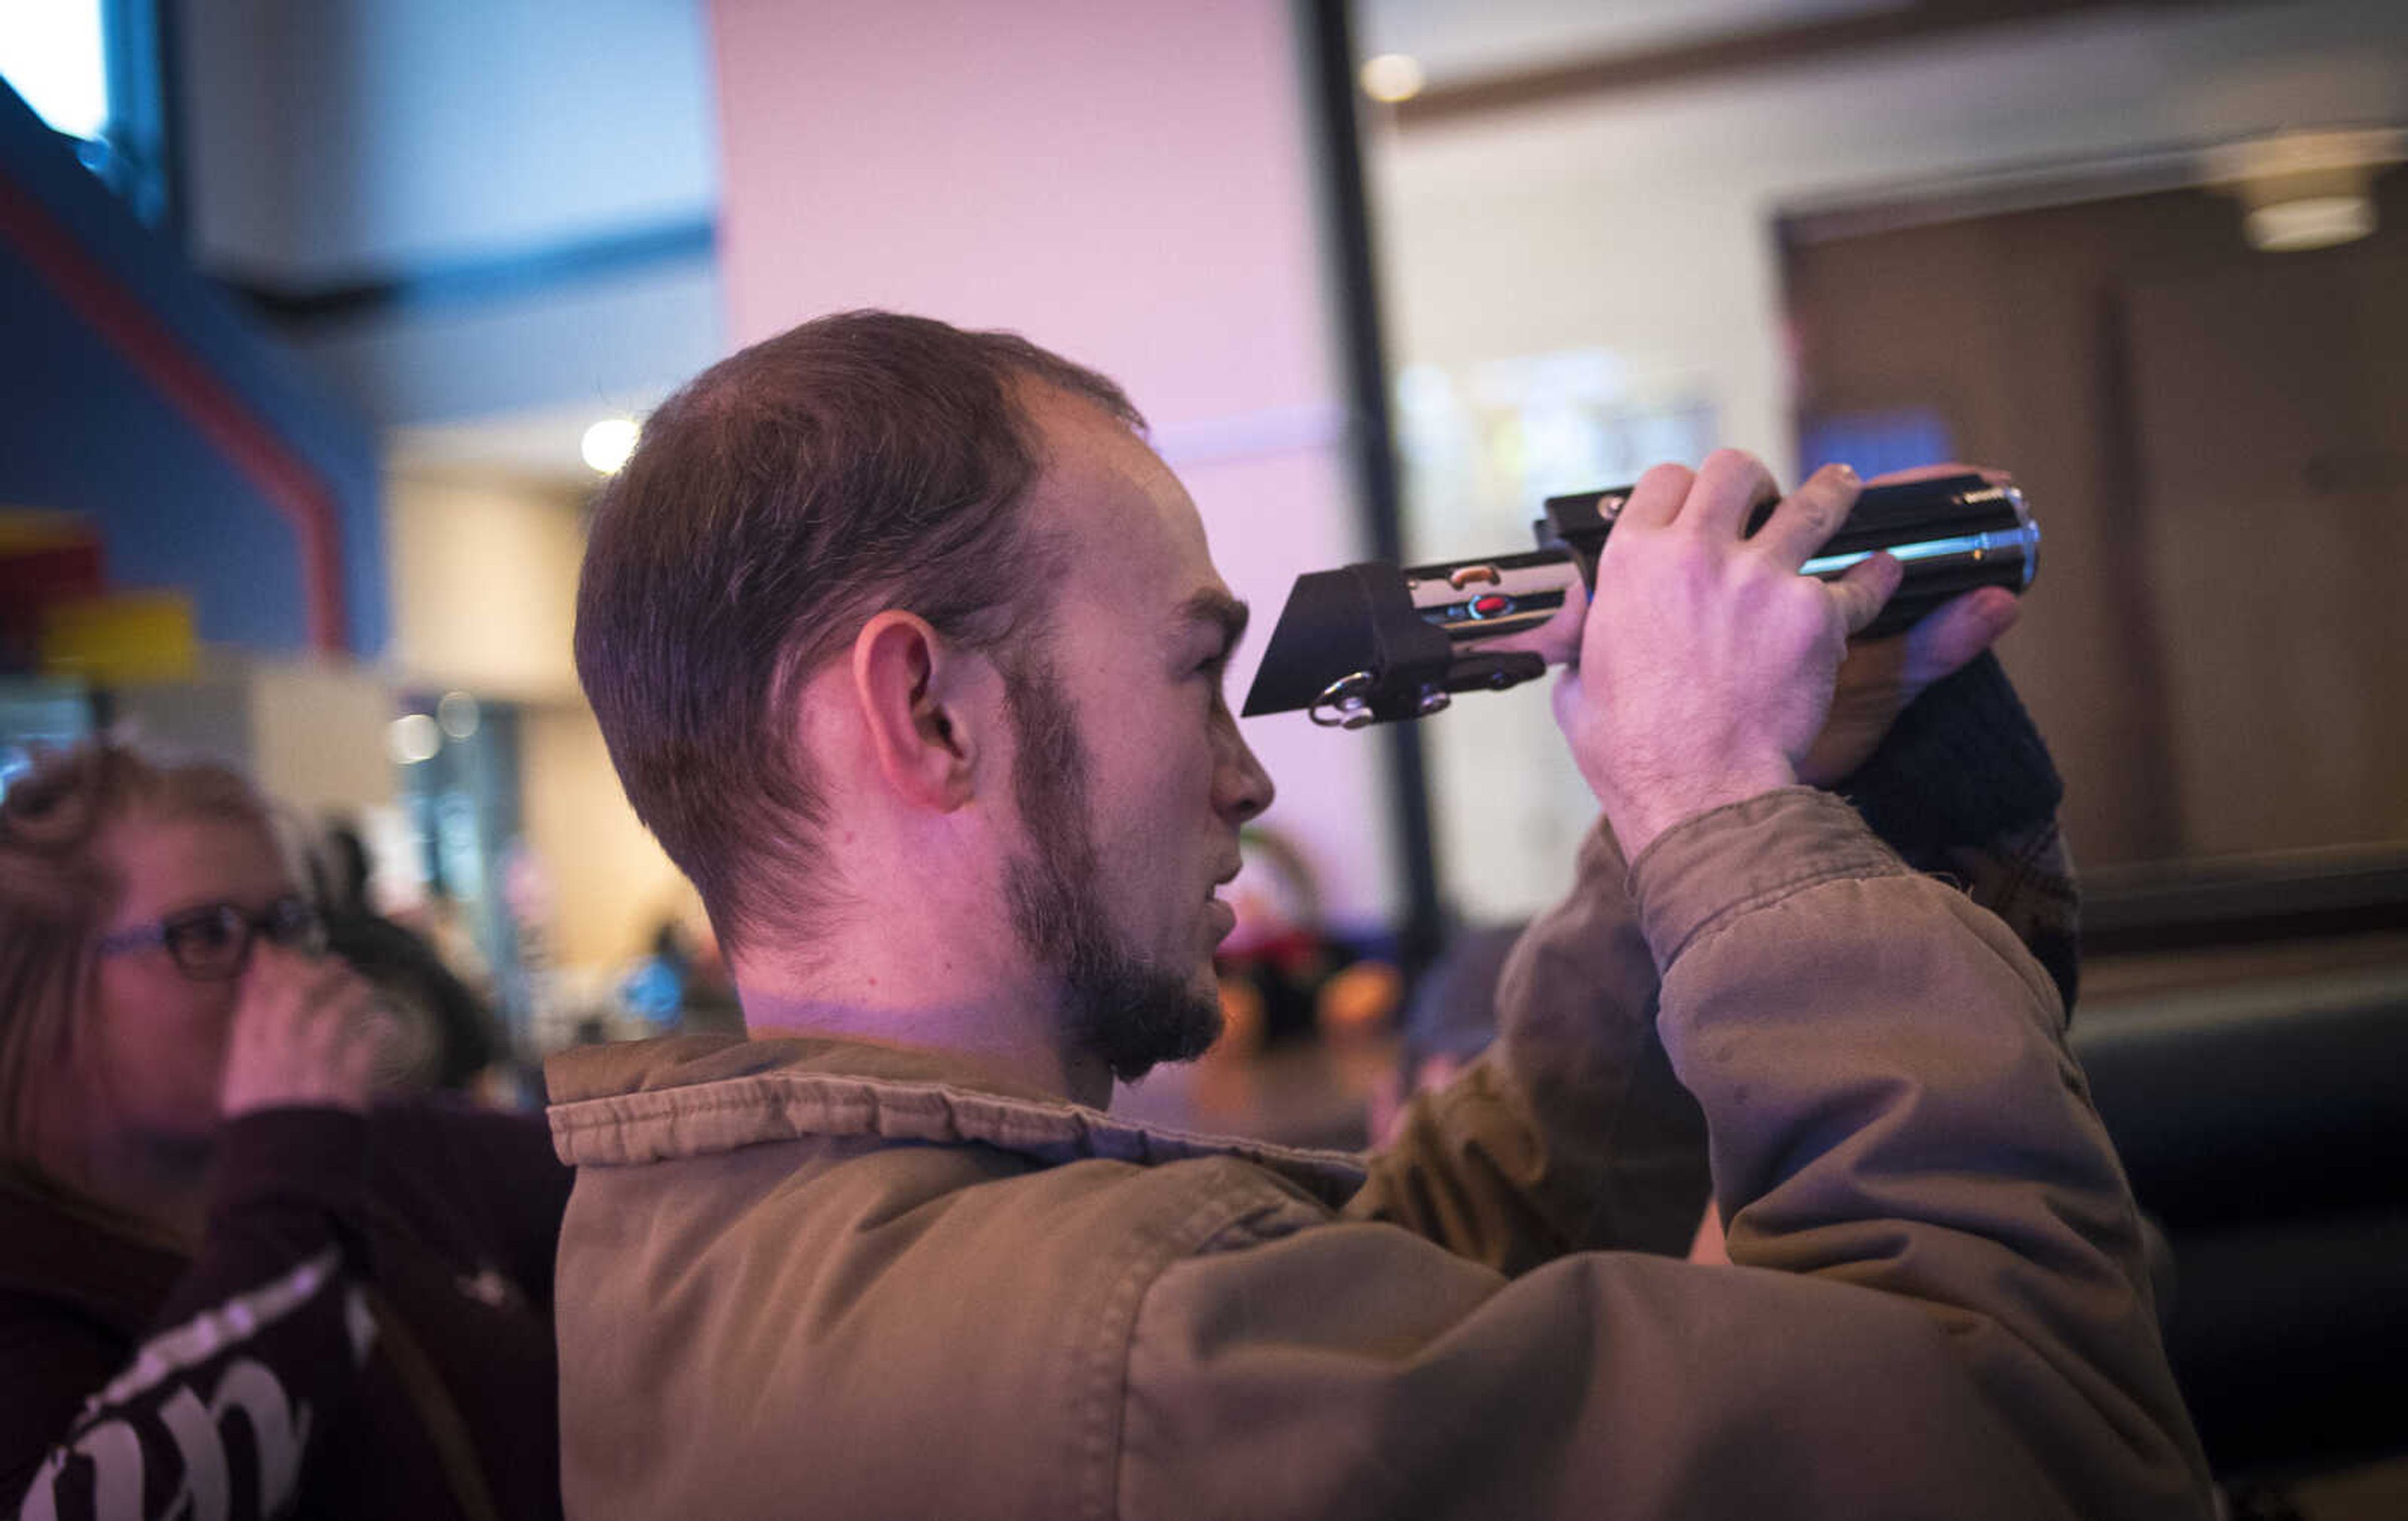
x=917, y=950
x=1013, y=1033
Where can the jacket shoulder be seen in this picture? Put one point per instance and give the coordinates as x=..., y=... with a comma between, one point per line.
x=807, y=1312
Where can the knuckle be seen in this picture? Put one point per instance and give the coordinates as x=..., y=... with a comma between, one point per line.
x=1667, y=477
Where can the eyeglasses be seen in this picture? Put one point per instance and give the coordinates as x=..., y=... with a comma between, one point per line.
x=212, y=943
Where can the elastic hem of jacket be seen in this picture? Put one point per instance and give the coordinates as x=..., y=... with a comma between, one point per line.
x=1705, y=871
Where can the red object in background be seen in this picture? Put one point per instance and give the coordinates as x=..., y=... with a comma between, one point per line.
x=38, y=570
x=182, y=378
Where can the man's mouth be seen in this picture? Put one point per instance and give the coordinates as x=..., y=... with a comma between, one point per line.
x=1223, y=915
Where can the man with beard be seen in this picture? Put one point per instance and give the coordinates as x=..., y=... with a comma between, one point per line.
x=909, y=651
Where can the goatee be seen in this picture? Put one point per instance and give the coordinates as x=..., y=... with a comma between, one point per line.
x=1116, y=1006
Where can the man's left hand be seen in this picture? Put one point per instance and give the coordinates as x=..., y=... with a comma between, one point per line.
x=1880, y=677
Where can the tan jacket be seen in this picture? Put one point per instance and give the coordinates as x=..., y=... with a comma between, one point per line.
x=804, y=1278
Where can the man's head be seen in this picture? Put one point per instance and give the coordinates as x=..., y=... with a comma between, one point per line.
x=830, y=525
x=862, y=461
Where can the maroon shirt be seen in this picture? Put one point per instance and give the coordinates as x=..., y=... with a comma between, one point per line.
x=365, y=1330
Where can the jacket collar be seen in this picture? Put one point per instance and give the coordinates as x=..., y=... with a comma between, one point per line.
x=691, y=1096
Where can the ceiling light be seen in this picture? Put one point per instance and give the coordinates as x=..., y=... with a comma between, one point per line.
x=607, y=444
x=412, y=739
x=2306, y=189
x=2311, y=222
x=458, y=715
x=1392, y=77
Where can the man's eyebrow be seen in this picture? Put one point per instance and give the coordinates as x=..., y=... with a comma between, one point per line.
x=1222, y=611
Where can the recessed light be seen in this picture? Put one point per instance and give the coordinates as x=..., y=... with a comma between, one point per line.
x=608, y=442
x=1392, y=77
x=412, y=739
x=2311, y=222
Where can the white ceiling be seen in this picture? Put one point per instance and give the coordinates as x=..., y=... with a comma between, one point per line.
x=1454, y=41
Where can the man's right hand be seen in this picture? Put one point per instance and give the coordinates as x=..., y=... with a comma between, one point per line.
x=304, y=1034
x=1706, y=659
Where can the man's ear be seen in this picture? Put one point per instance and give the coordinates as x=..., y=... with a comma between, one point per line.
x=910, y=685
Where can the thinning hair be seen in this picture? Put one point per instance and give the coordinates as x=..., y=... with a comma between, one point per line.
x=58, y=888
x=862, y=462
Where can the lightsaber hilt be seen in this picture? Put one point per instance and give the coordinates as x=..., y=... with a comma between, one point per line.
x=1951, y=536
x=1370, y=643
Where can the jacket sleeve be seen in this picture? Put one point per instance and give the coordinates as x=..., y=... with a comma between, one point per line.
x=1570, y=1130
x=491, y=1171
x=1962, y=786
x=1573, y=1132
x=1938, y=1307
x=253, y=1351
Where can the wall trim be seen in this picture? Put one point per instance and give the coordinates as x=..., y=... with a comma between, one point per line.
x=452, y=283
x=1273, y=431
x=171, y=369
x=1772, y=46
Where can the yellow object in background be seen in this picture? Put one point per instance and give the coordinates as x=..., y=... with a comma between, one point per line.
x=121, y=637
x=25, y=529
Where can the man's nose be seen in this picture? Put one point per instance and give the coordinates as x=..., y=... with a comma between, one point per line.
x=1241, y=788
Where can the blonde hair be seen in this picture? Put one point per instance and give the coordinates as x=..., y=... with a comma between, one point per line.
x=57, y=888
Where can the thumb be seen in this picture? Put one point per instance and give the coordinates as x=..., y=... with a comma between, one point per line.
x=1953, y=635
x=1864, y=588
x=1567, y=699
x=1557, y=639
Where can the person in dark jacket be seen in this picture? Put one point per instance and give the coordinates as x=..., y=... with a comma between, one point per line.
x=231, y=1285
x=449, y=1033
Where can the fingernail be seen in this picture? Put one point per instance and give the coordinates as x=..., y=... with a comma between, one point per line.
x=1846, y=472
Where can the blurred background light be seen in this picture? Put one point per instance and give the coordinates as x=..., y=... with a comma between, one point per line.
x=412, y=739
x=607, y=444
x=1392, y=77
x=2305, y=189
x=52, y=53
x=2311, y=222
x=458, y=715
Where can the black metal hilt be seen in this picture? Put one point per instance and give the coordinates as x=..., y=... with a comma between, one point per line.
x=1370, y=643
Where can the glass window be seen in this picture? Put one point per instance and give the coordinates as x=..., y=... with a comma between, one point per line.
x=53, y=53
x=95, y=70
x=35, y=711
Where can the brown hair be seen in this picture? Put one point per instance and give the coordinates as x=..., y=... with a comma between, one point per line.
x=860, y=462
x=56, y=890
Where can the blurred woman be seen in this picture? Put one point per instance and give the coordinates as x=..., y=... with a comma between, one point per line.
x=229, y=1286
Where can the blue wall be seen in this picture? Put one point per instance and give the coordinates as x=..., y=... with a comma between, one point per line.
x=82, y=429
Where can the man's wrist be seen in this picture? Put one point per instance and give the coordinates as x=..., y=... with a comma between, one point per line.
x=1638, y=815
x=1963, y=766
x=1741, y=856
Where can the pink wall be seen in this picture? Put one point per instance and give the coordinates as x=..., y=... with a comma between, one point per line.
x=1127, y=182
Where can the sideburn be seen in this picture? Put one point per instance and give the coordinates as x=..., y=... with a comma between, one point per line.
x=1127, y=1015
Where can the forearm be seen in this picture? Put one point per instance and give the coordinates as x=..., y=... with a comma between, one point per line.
x=1963, y=786
x=1890, y=1103
x=1571, y=1131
